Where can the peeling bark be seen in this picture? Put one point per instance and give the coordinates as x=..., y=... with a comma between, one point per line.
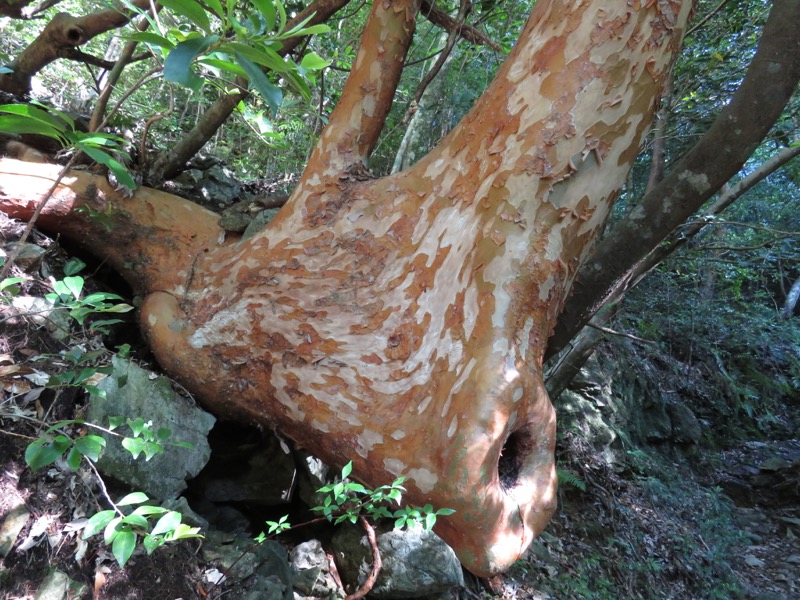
x=401, y=321
x=738, y=130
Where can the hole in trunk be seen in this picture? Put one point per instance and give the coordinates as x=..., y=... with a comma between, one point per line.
x=512, y=458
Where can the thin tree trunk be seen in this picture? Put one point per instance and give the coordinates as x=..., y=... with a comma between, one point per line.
x=791, y=300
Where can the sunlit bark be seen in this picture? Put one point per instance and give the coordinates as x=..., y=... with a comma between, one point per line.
x=401, y=322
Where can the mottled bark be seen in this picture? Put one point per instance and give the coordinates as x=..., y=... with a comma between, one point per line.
x=738, y=130
x=401, y=321
x=62, y=32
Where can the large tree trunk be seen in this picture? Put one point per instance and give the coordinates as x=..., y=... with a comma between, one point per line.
x=401, y=322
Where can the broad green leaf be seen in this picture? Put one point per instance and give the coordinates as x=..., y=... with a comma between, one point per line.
x=20, y=125
x=167, y=523
x=134, y=445
x=269, y=91
x=91, y=446
x=314, y=62
x=73, y=266
x=120, y=172
x=44, y=452
x=178, y=65
x=445, y=511
x=154, y=39
x=133, y=498
x=110, y=530
x=74, y=459
x=266, y=8
x=191, y=10
x=216, y=7
x=58, y=121
x=122, y=548
x=430, y=521
x=114, y=422
x=74, y=284
x=281, y=14
x=96, y=391
x=97, y=523
x=150, y=510
x=347, y=469
x=10, y=284
x=264, y=56
x=136, y=521
x=183, y=531
x=222, y=65
x=151, y=542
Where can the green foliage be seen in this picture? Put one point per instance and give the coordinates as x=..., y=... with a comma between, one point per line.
x=122, y=531
x=51, y=123
x=347, y=501
x=569, y=478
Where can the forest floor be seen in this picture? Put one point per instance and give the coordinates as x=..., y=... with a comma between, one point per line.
x=661, y=528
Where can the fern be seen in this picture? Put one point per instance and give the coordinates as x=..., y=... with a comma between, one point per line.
x=568, y=478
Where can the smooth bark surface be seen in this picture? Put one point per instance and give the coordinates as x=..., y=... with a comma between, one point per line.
x=401, y=322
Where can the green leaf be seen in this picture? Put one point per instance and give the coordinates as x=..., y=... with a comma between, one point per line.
x=110, y=530
x=57, y=121
x=133, y=498
x=122, y=548
x=150, y=510
x=445, y=511
x=44, y=452
x=19, y=125
x=74, y=284
x=73, y=266
x=314, y=62
x=191, y=10
x=216, y=7
x=10, y=284
x=104, y=158
x=263, y=55
x=269, y=91
x=91, y=446
x=151, y=542
x=167, y=523
x=136, y=520
x=151, y=38
x=223, y=65
x=430, y=521
x=114, y=422
x=347, y=469
x=74, y=459
x=134, y=445
x=178, y=65
x=184, y=531
x=97, y=523
x=267, y=9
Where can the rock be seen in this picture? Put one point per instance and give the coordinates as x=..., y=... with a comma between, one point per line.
x=312, y=474
x=416, y=563
x=58, y=586
x=133, y=392
x=311, y=574
x=42, y=312
x=190, y=517
x=15, y=520
x=752, y=561
x=686, y=428
x=29, y=257
x=261, y=573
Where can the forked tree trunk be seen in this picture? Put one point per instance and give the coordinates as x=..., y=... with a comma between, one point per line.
x=401, y=322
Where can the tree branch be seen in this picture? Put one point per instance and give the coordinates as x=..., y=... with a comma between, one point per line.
x=369, y=583
x=719, y=155
x=62, y=33
x=358, y=119
x=439, y=17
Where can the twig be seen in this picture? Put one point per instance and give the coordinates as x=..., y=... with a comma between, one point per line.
x=619, y=333
x=366, y=587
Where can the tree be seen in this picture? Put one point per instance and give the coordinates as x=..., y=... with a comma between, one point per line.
x=402, y=321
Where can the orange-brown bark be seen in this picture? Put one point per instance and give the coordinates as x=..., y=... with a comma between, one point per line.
x=401, y=322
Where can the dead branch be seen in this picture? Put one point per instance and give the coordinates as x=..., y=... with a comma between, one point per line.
x=368, y=584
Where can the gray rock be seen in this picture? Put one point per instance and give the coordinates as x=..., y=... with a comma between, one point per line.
x=29, y=257
x=686, y=428
x=311, y=572
x=261, y=571
x=133, y=392
x=416, y=563
x=15, y=520
x=312, y=474
x=58, y=586
x=41, y=312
